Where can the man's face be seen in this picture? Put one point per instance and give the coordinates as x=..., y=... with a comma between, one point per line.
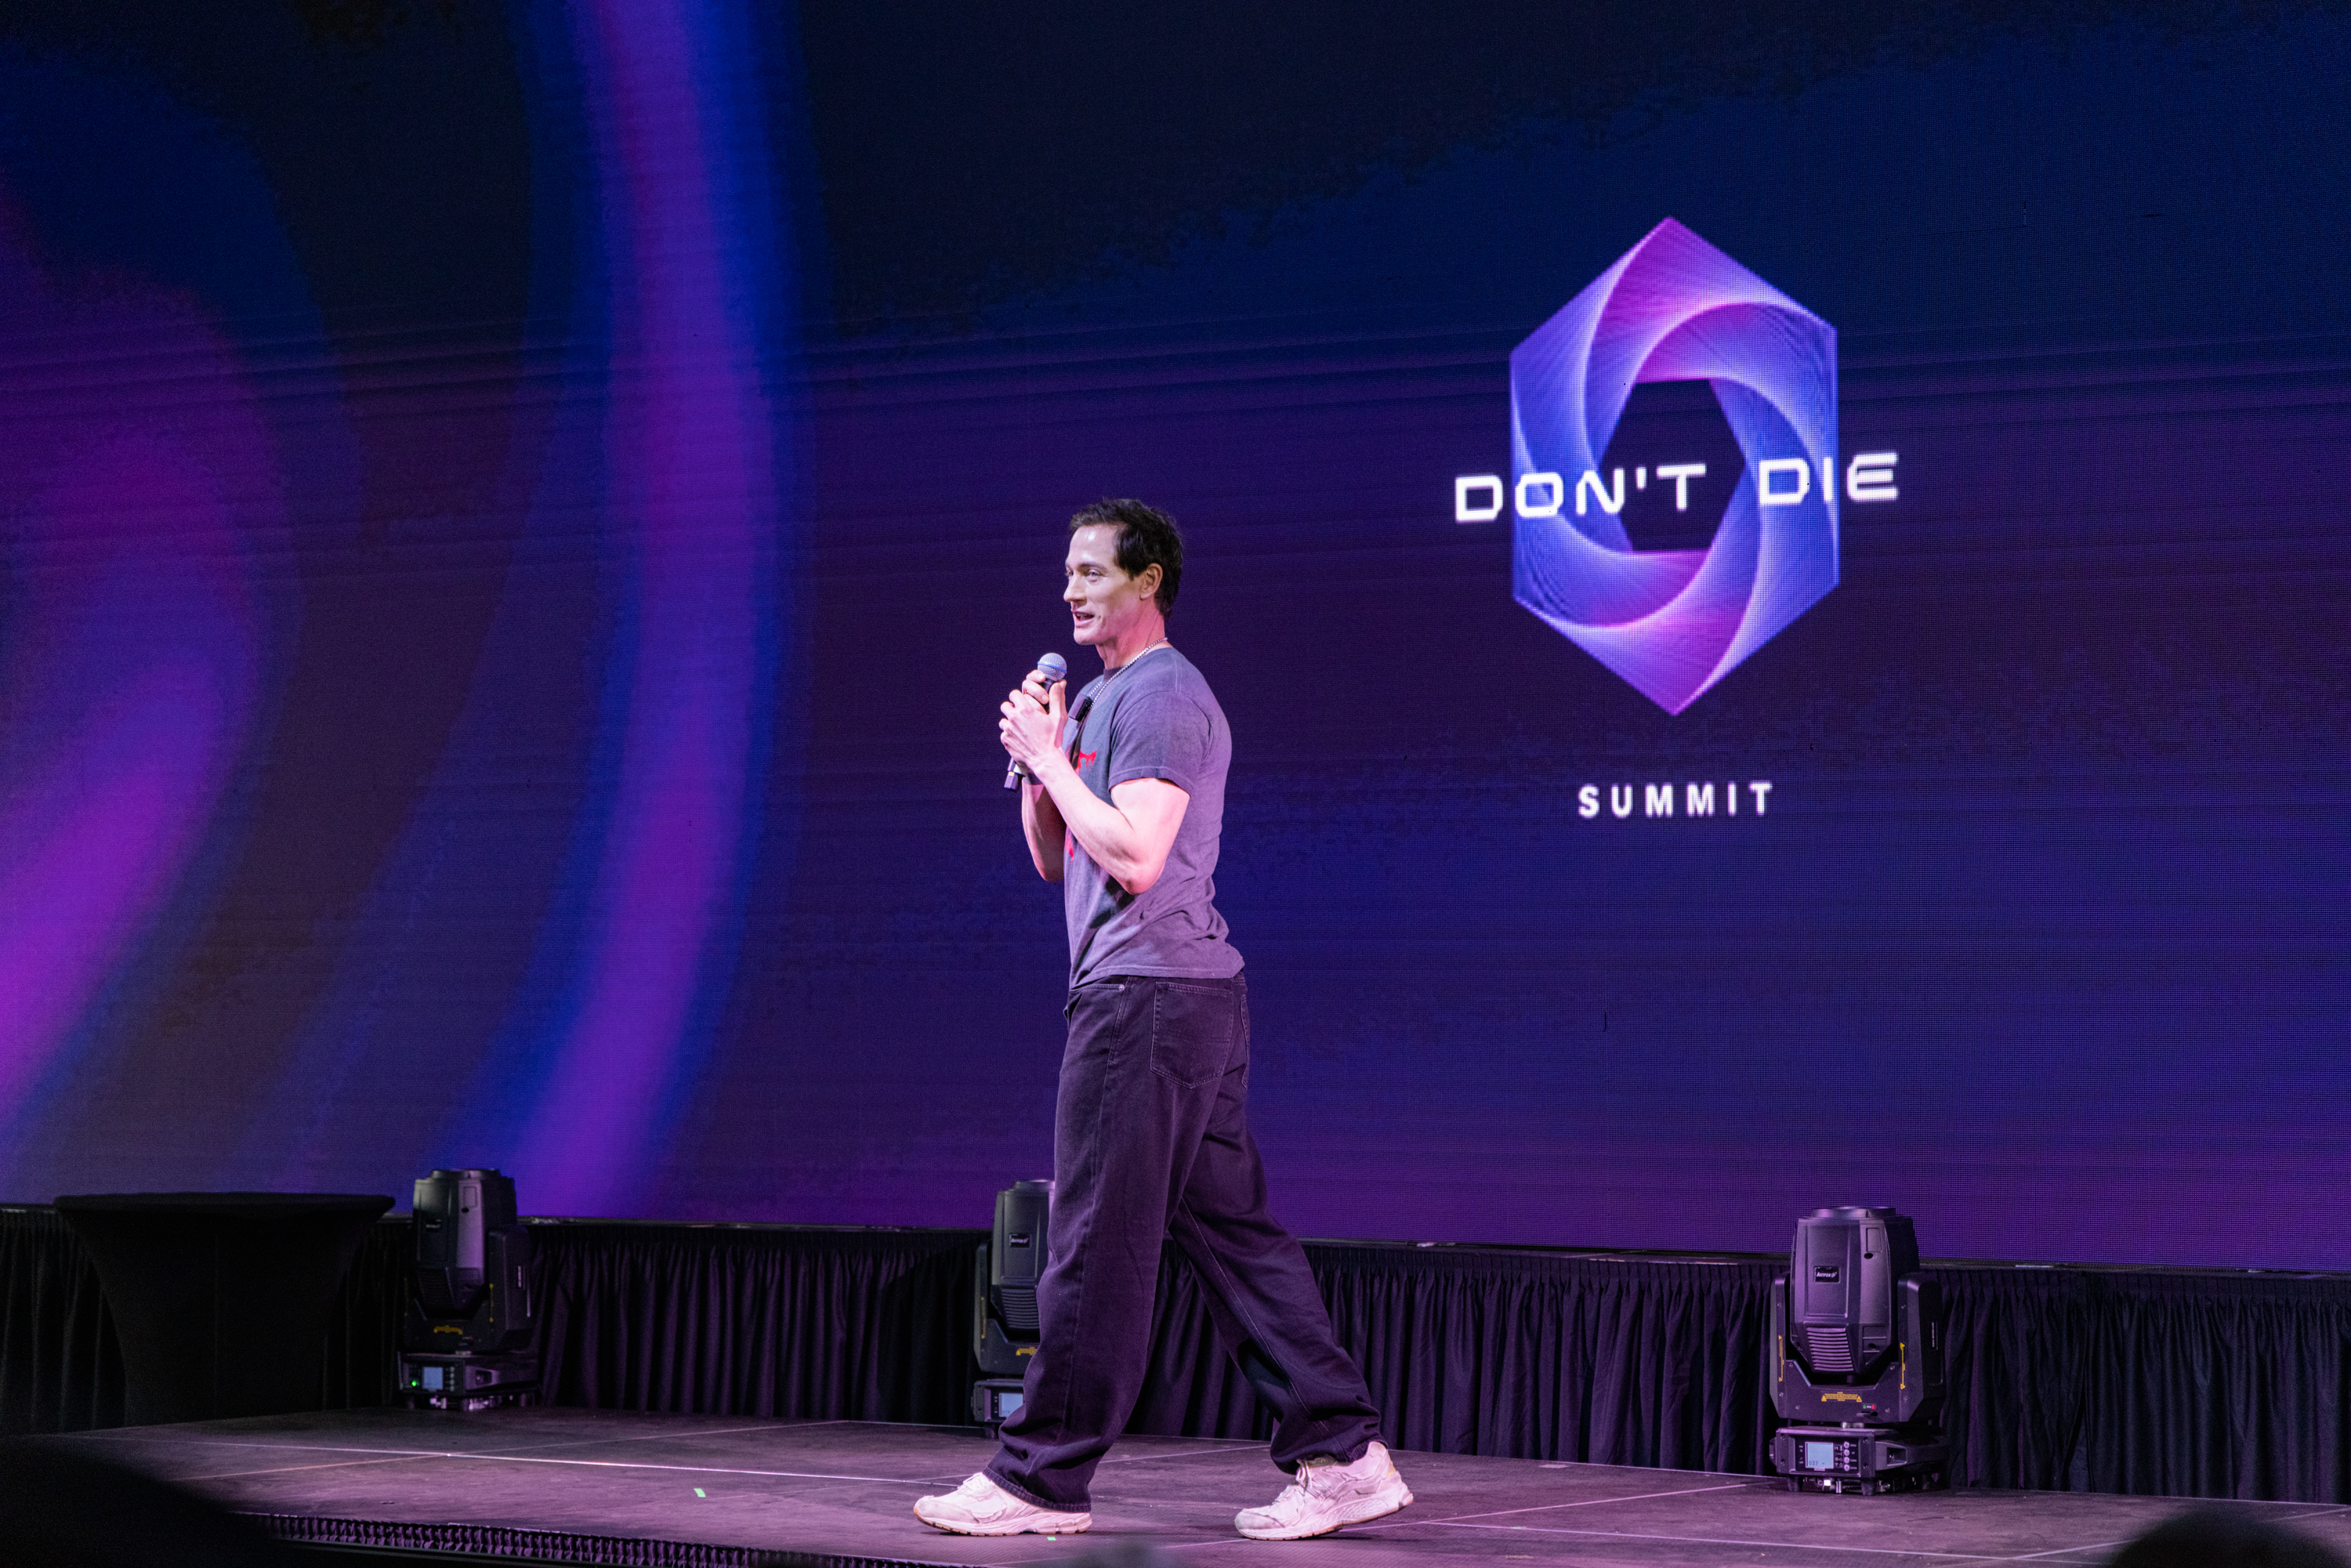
x=1104, y=602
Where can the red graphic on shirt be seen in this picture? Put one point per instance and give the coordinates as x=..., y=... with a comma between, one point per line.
x=1085, y=759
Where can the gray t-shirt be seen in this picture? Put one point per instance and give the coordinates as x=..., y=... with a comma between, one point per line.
x=1153, y=717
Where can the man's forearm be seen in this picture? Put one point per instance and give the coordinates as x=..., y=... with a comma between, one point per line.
x=1041, y=824
x=1110, y=839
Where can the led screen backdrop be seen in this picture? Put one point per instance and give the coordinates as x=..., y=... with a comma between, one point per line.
x=1780, y=597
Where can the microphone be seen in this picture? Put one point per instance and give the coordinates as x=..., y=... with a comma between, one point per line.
x=1053, y=667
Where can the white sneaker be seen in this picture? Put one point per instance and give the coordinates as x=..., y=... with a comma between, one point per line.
x=1326, y=1495
x=980, y=1507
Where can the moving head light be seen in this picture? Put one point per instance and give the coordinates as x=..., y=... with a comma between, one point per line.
x=1857, y=1340
x=1005, y=1277
x=465, y=1337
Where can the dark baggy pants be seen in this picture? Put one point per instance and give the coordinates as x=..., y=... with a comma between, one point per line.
x=1151, y=1139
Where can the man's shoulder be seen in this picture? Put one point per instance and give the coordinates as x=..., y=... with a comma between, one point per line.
x=1170, y=671
x=1164, y=681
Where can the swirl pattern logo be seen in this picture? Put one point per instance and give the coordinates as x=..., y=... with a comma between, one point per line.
x=1672, y=623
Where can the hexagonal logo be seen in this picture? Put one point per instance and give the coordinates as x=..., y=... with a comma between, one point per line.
x=1674, y=621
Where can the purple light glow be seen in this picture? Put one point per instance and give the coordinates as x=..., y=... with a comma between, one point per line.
x=131, y=632
x=690, y=475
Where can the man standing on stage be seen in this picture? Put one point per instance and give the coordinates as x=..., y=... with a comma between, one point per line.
x=1151, y=1136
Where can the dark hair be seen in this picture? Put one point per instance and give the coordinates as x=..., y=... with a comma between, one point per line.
x=1148, y=536
x=67, y=1505
x=2212, y=1537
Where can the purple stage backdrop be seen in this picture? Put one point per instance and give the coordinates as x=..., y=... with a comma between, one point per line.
x=1781, y=605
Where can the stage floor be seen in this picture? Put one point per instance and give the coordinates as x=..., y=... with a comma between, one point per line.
x=593, y=1485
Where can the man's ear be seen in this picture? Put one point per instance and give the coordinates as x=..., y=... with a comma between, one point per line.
x=1149, y=580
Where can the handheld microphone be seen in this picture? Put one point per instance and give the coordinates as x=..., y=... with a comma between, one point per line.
x=1053, y=667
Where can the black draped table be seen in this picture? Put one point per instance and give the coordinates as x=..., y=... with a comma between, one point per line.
x=221, y=1299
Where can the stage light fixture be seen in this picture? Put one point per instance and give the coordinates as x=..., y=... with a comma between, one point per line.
x=1857, y=1357
x=1004, y=1320
x=465, y=1336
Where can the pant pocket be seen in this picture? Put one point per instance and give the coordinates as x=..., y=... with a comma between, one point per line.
x=1194, y=1025
x=1099, y=995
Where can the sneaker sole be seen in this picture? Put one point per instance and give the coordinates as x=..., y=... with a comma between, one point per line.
x=1380, y=1511
x=1079, y=1524
x=1362, y=1513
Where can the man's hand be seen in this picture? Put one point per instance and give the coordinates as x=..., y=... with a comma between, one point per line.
x=1031, y=725
x=1032, y=717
